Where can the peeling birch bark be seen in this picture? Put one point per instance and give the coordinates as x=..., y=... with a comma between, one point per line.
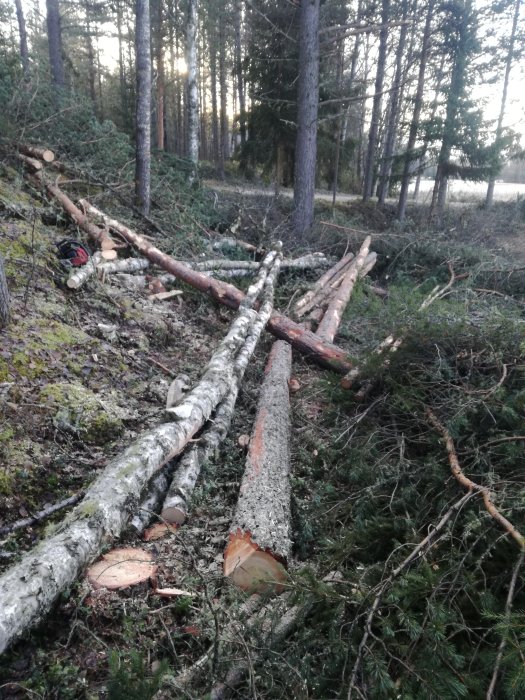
x=153, y=499
x=306, y=262
x=325, y=354
x=80, y=275
x=332, y=318
x=30, y=587
x=127, y=265
x=260, y=543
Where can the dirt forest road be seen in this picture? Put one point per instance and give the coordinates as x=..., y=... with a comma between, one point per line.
x=258, y=191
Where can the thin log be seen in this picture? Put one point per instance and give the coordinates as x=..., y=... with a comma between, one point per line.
x=30, y=588
x=332, y=317
x=459, y=475
x=151, y=502
x=32, y=163
x=40, y=515
x=321, y=283
x=305, y=262
x=320, y=302
x=44, y=154
x=175, y=509
x=259, y=543
x=322, y=352
x=126, y=265
x=80, y=275
x=228, y=242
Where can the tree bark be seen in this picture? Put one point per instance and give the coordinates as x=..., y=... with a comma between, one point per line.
x=307, y=106
x=193, y=93
x=224, y=152
x=301, y=306
x=508, y=65
x=4, y=296
x=321, y=352
x=126, y=265
x=34, y=152
x=159, y=59
x=238, y=71
x=259, y=544
x=175, y=508
x=81, y=274
x=30, y=587
x=24, y=51
x=54, y=36
x=332, y=317
x=143, y=116
x=376, y=108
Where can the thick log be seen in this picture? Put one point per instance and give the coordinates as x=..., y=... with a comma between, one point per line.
x=259, y=544
x=305, y=341
x=4, y=296
x=301, y=306
x=175, y=507
x=30, y=587
x=332, y=317
x=79, y=275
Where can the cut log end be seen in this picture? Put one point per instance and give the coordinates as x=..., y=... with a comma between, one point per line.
x=108, y=255
x=251, y=568
x=175, y=515
x=121, y=568
x=48, y=156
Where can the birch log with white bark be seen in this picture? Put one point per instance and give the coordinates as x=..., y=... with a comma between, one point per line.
x=323, y=353
x=175, y=508
x=126, y=265
x=80, y=275
x=259, y=544
x=30, y=588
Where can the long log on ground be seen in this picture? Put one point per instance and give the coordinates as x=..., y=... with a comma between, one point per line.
x=326, y=279
x=305, y=262
x=153, y=498
x=175, y=507
x=30, y=588
x=332, y=317
x=324, y=353
x=259, y=543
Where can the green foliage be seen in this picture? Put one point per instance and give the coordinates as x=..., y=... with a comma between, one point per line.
x=130, y=679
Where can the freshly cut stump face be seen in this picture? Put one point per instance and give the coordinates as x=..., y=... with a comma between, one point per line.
x=121, y=568
x=250, y=567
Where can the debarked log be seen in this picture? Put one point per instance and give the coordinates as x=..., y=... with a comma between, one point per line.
x=259, y=543
x=30, y=587
x=322, y=352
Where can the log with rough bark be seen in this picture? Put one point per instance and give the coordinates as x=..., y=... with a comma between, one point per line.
x=259, y=543
x=80, y=275
x=153, y=498
x=332, y=317
x=4, y=296
x=30, y=587
x=305, y=262
x=175, y=509
x=320, y=351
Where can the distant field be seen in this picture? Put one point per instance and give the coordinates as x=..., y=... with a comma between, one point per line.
x=459, y=189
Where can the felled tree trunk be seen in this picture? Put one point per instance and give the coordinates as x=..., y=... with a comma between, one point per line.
x=306, y=342
x=4, y=296
x=80, y=275
x=126, y=265
x=175, y=507
x=322, y=282
x=305, y=262
x=40, y=153
x=30, y=587
x=332, y=318
x=259, y=543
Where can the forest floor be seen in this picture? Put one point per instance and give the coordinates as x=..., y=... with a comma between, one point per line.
x=81, y=374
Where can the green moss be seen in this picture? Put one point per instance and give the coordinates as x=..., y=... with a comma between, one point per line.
x=79, y=410
x=6, y=433
x=6, y=483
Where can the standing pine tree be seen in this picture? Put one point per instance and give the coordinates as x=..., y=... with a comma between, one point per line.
x=54, y=37
x=143, y=128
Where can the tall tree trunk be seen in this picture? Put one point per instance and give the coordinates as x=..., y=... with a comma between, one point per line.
x=508, y=65
x=393, y=117
x=91, y=58
x=414, y=124
x=24, y=52
x=121, y=68
x=4, y=297
x=376, y=108
x=214, y=107
x=193, y=93
x=238, y=71
x=143, y=126
x=339, y=123
x=307, y=106
x=159, y=59
x=224, y=153
x=54, y=37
